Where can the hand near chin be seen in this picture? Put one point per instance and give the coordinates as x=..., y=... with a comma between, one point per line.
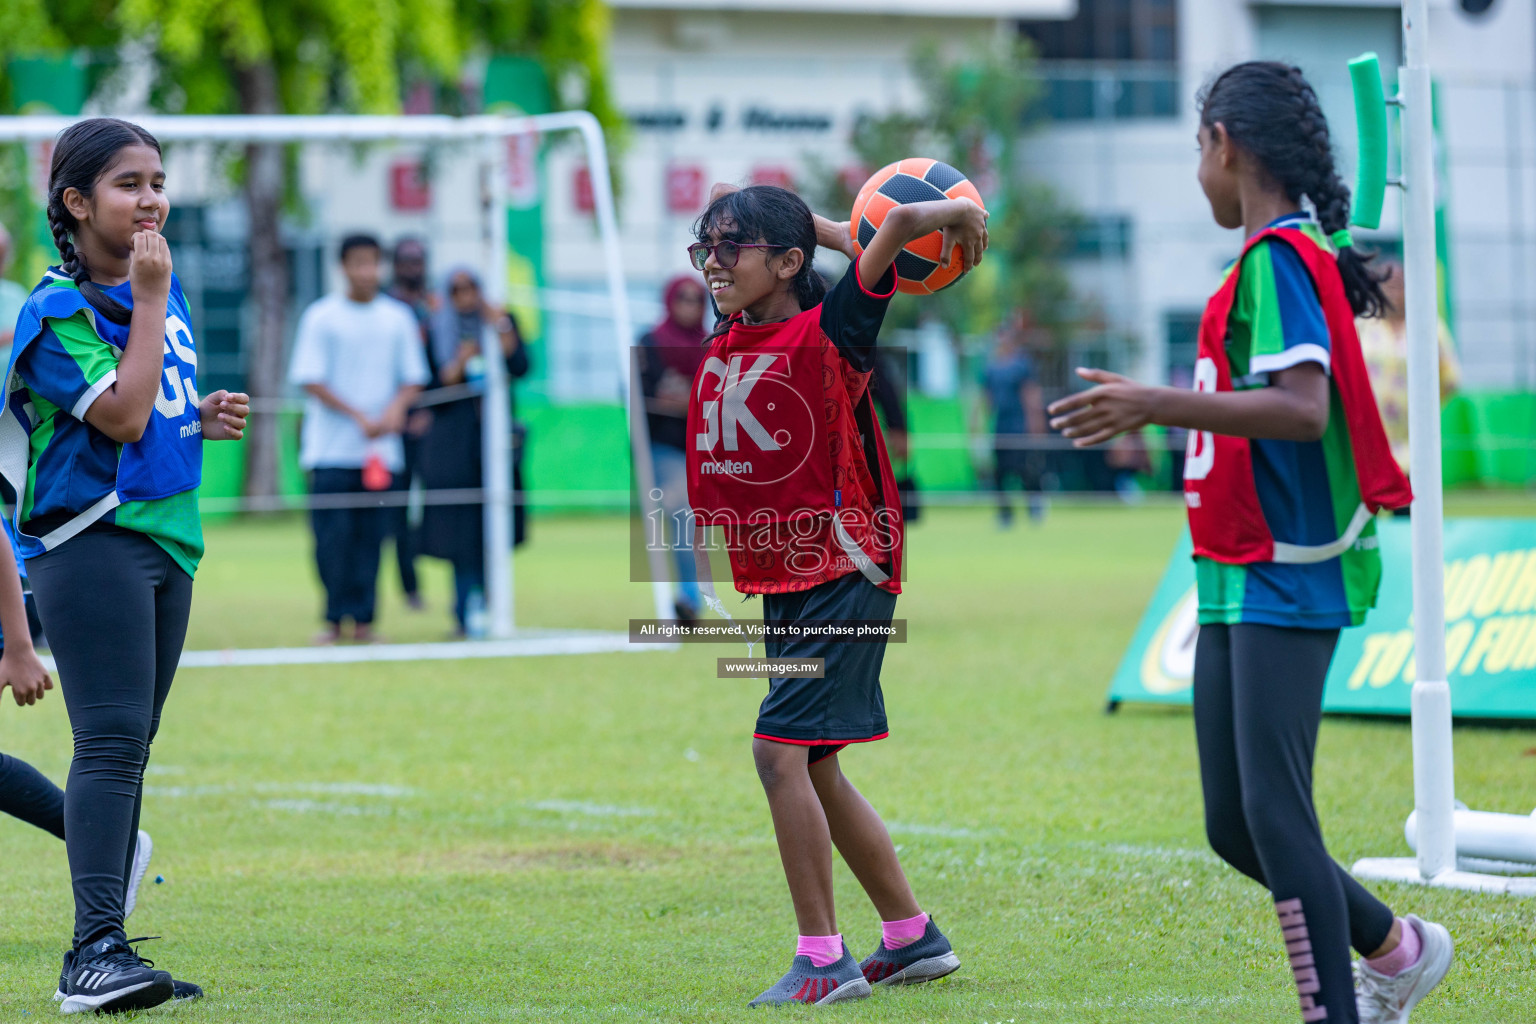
x=149, y=267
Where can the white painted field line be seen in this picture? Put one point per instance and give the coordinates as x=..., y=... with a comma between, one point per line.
x=378, y=789
x=322, y=807
x=942, y=831
x=591, y=809
x=1165, y=854
x=1133, y=1002
x=527, y=644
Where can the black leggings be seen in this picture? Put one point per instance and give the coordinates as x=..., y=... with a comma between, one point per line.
x=1258, y=704
x=27, y=793
x=115, y=607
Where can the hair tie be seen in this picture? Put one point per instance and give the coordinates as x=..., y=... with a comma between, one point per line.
x=1342, y=239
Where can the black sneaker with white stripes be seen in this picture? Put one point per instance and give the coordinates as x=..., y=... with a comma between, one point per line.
x=182, y=991
x=108, y=976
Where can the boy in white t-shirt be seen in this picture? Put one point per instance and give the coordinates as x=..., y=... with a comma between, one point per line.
x=358, y=357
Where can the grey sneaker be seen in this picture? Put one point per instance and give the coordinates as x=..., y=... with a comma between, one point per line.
x=928, y=958
x=143, y=849
x=807, y=983
x=1383, y=1000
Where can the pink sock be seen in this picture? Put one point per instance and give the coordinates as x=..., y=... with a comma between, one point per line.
x=896, y=934
x=1403, y=957
x=822, y=949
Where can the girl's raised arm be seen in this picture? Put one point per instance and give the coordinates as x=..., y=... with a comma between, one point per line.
x=962, y=221
x=122, y=411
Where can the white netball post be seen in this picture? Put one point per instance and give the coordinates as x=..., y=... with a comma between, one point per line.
x=1445, y=837
x=490, y=132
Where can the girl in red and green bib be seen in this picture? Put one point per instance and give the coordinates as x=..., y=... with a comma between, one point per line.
x=1286, y=466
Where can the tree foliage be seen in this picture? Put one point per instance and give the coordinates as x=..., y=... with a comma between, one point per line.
x=333, y=55
x=309, y=57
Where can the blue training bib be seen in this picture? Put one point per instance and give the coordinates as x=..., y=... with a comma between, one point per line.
x=166, y=461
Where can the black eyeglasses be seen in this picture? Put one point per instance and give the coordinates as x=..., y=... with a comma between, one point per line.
x=727, y=252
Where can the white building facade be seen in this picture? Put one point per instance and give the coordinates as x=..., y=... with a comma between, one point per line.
x=767, y=90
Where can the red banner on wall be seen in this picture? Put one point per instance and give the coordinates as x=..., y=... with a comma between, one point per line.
x=409, y=188
x=685, y=188
x=581, y=191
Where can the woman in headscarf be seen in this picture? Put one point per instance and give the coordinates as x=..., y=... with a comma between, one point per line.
x=451, y=451
x=670, y=354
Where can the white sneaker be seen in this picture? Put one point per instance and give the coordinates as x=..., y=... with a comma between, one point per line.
x=1383, y=1000
x=141, y=854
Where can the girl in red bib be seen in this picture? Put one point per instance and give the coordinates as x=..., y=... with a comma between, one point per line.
x=1287, y=464
x=786, y=458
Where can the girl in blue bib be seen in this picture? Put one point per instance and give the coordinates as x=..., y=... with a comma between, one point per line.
x=101, y=436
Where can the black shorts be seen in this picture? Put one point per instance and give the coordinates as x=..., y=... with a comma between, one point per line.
x=846, y=706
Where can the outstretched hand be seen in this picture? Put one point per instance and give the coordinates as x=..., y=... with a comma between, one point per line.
x=1117, y=405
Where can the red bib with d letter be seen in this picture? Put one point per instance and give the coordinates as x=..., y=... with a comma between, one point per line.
x=1225, y=518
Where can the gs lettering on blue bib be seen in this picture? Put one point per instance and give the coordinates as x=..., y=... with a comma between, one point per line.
x=61, y=467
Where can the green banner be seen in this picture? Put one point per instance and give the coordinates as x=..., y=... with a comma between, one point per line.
x=520, y=85
x=1490, y=614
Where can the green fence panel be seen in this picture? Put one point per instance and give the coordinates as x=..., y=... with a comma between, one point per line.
x=939, y=469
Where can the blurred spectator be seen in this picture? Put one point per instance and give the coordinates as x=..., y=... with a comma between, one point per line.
x=409, y=281
x=358, y=356
x=670, y=354
x=409, y=285
x=1018, y=419
x=12, y=297
x=452, y=449
x=1384, y=342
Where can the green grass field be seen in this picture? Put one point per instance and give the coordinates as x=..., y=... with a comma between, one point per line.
x=584, y=837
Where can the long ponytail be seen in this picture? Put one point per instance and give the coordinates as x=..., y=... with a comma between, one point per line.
x=81, y=153
x=1270, y=110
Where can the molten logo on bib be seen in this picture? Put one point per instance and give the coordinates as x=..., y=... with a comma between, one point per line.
x=785, y=455
x=756, y=426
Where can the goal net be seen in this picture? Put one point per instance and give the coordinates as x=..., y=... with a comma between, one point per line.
x=466, y=192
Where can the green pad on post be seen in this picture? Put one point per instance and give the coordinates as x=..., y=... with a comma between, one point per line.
x=1371, y=120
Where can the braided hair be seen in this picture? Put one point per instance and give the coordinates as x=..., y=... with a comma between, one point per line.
x=778, y=217
x=80, y=154
x=1270, y=110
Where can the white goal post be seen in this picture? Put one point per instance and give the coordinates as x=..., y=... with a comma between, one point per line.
x=489, y=132
x=1448, y=840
